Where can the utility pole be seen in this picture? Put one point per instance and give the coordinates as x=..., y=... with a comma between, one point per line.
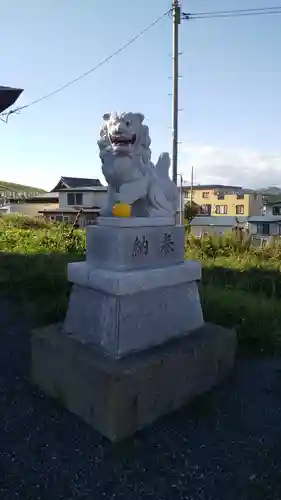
x=175, y=78
x=191, y=187
x=181, y=198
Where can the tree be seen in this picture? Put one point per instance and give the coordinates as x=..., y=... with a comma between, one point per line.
x=190, y=211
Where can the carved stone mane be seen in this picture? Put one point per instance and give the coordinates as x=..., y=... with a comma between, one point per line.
x=143, y=147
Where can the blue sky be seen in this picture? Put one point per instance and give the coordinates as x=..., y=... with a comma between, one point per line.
x=229, y=128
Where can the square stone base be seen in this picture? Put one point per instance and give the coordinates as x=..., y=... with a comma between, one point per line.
x=123, y=312
x=120, y=325
x=118, y=397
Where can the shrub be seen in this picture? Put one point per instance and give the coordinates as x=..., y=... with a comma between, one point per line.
x=231, y=244
x=190, y=211
x=241, y=283
x=49, y=238
x=23, y=222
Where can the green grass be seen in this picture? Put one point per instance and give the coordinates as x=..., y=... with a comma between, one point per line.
x=19, y=188
x=241, y=284
x=256, y=318
x=34, y=255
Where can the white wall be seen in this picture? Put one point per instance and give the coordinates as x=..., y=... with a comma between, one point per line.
x=268, y=210
x=30, y=209
x=216, y=230
x=5, y=209
x=253, y=228
x=90, y=199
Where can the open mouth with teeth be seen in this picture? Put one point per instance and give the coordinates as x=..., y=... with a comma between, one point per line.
x=122, y=141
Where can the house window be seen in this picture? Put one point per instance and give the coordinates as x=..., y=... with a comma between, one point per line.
x=74, y=198
x=205, y=209
x=263, y=228
x=220, y=196
x=205, y=194
x=221, y=209
x=58, y=218
x=65, y=218
x=239, y=209
x=276, y=210
x=240, y=197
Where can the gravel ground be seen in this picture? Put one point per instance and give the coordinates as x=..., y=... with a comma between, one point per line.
x=226, y=445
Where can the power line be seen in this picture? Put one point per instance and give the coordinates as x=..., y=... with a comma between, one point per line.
x=236, y=15
x=101, y=63
x=257, y=9
x=233, y=13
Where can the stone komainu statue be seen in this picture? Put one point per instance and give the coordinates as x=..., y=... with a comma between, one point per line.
x=131, y=176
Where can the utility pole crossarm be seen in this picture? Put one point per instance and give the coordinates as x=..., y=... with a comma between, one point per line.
x=176, y=21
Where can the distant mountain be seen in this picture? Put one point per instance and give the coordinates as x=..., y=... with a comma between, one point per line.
x=6, y=187
x=271, y=191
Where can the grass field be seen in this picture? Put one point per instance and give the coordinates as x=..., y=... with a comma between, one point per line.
x=241, y=284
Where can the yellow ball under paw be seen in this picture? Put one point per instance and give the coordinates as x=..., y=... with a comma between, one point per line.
x=121, y=210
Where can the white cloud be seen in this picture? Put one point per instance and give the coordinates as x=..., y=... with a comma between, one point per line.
x=250, y=169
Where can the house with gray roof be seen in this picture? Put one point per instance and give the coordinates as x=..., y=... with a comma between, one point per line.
x=213, y=224
x=264, y=226
x=80, y=200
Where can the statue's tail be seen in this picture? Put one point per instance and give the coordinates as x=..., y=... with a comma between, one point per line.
x=164, y=194
x=163, y=164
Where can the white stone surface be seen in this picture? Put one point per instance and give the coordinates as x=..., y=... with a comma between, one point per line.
x=136, y=221
x=122, y=324
x=131, y=282
x=129, y=248
x=126, y=165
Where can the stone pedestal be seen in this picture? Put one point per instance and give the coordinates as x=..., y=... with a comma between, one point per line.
x=133, y=345
x=118, y=397
x=134, y=291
